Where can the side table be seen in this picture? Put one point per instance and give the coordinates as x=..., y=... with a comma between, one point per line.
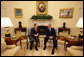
x=63, y=29
x=20, y=29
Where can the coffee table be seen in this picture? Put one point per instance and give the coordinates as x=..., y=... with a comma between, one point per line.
x=72, y=42
x=23, y=38
x=17, y=39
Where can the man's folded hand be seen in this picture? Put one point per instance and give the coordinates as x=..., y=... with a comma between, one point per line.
x=36, y=35
x=50, y=37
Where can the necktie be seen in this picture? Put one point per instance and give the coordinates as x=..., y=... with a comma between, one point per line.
x=35, y=29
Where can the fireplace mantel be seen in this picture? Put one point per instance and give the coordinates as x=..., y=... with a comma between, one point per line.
x=42, y=22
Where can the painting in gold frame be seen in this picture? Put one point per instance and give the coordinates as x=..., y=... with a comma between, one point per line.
x=41, y=7
x=18, y=13
x=66, y=13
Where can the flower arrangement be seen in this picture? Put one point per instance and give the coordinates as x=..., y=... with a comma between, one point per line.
x=35, y=17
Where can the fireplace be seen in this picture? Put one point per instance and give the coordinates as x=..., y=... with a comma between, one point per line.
x=42, y=30
x=42, y=25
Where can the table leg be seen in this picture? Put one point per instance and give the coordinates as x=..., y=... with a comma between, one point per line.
x=69, y=32
x=16, y=44
x=20, y=44
x=65, y=46
x=27, y=43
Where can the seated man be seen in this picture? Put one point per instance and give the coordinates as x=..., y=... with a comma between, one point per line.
x=51, y=34
x=34, y=37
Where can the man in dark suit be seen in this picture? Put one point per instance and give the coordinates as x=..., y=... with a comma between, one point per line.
x=34, y=36
x=51, y=34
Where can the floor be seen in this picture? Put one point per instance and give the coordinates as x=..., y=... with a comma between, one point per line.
x=41, y=52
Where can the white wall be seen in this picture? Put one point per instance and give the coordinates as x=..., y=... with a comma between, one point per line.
x=29, y=9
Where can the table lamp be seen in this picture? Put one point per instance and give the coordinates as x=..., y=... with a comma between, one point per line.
x=80, y=25
x=6, y=23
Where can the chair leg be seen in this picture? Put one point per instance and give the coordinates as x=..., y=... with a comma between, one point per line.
x=27, y=45
x=39, y=43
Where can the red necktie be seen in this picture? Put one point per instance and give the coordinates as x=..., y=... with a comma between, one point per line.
x=35, y=29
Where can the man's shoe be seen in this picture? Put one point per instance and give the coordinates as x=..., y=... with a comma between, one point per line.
x=30, y=48
x=44, y=48
x=36, y=49
x=52, y=51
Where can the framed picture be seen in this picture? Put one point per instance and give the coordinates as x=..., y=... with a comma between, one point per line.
x=66, y=13
x=41, y=7
x=18, y=13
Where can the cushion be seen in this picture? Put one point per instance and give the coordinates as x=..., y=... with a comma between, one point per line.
x=11, y=52
x=77, y=47
x=3, y=45
x=11, y=46
x=75, y=51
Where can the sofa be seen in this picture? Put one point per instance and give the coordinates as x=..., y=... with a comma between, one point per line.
x=75, y=51
x=8, y=50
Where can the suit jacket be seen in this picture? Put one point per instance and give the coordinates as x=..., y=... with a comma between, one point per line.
x=33, y=32
x=51, y=33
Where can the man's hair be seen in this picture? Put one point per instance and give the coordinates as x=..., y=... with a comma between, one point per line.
x=49, y=24
x=35, y=24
